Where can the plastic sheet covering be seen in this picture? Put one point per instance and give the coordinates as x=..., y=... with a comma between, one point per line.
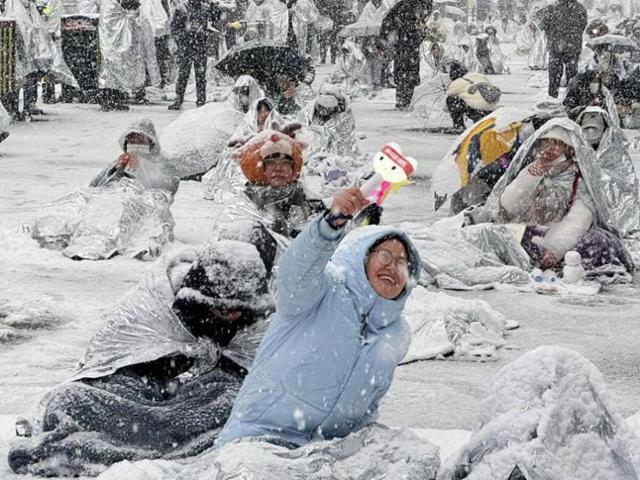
x=274, y=15
x=31, y=52
x=549, y=413
x=143, y=328
x=526, y=37
x=538, y=58
x=429, y=98
x=470, y=258
x=153, y=170
x=445, y=325
x=303, y=14
x=122, y=218
x=592, y=187
x=351, y=71
x=127, y=48
x=337, y=135
x=195, y=141
x=399, y=454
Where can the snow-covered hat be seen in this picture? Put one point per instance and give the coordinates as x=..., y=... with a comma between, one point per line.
x=327, y=100
x=558, y=133
x=228, y=274
x=276, y=144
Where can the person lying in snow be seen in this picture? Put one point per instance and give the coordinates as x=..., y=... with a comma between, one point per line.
x=141, y=159
x=552, y=195
x=271, y=162
x=331, y=349
x=160, y=376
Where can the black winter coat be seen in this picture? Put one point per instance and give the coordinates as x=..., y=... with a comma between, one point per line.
x=564, y=23
x=191, y=23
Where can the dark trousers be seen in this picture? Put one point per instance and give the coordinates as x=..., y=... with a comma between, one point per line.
x=164, y=59
x=559, y=63
x=458, y=109
x=187, y=58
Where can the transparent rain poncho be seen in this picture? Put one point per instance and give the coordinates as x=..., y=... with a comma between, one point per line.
x=121, y=218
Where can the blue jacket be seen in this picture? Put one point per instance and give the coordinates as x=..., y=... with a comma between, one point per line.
x=329, y=354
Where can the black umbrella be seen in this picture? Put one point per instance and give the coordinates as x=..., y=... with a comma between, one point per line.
x=263, y=61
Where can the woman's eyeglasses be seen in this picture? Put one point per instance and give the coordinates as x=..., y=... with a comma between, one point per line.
x=386, y=258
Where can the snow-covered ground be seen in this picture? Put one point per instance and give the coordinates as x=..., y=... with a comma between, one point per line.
x=49, y=157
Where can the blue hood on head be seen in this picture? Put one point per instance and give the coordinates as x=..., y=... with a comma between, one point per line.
x=348, y=266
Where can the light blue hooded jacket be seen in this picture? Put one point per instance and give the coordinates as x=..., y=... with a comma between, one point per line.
x=329, y=354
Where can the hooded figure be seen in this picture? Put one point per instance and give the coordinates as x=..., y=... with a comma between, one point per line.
x=620, y=181
x=142, y=159
x=331, y=117
x=262, y=114
x=469, y=95
x=127, y=50
x=330, y=352
x=351, y=70
x=552, y=190
x=160, y=376
x=246, y=91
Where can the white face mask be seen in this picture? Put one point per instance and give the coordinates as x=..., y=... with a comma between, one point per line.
x=138, y=149
x=593, y=135
x=594, y=88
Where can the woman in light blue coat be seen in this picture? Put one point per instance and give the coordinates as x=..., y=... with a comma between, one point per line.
x=333, y=345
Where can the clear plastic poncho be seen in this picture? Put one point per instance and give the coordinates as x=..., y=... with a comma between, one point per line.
x=538, y=58
x=95, y=224
x=351, y=71
x=127, y=48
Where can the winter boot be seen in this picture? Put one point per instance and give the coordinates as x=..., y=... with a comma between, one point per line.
x=177, y=105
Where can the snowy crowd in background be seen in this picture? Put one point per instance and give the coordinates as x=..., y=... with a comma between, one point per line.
x=285, y=329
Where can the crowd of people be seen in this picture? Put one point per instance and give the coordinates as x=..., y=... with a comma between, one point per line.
x=287, y=326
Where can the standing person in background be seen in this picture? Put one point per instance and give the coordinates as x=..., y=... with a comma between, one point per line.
x=403, y=30
x=190, y=28
x=563, y=23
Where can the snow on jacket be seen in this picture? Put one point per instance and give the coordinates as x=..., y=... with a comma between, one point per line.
x=333, y=344
x=564, y=22
x=154, y=170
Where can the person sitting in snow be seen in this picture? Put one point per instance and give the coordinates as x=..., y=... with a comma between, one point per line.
x=271, y=162
x=330, y=352
x=551, y=192
x=141, y=159
x=246, y=91
x=262, y=114
x=160, y=376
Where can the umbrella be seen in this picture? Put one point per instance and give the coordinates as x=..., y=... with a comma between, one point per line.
x=615, y=43
x=454, y=12
x=360, y=29
x=263, y=61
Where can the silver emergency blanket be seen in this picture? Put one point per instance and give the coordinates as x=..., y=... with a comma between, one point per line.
x=538, y=58
x=127, y=48
x=272, y=17
x=429, y=98
x=443, y=325
x=351, y=71
x=591, y=189
x=303, y=14
x=94, y=224
x=620, y=186
x=153, y=169
x=549, y=413
x=471, y=258
x=195, y=141
x=33, y=49
x=143, y=328
x=374, y=452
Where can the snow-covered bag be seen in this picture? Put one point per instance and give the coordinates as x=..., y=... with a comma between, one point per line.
x=94, y=224
x=194, y=142
x=445, y=325
x=549, y=413
x=374, y=452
